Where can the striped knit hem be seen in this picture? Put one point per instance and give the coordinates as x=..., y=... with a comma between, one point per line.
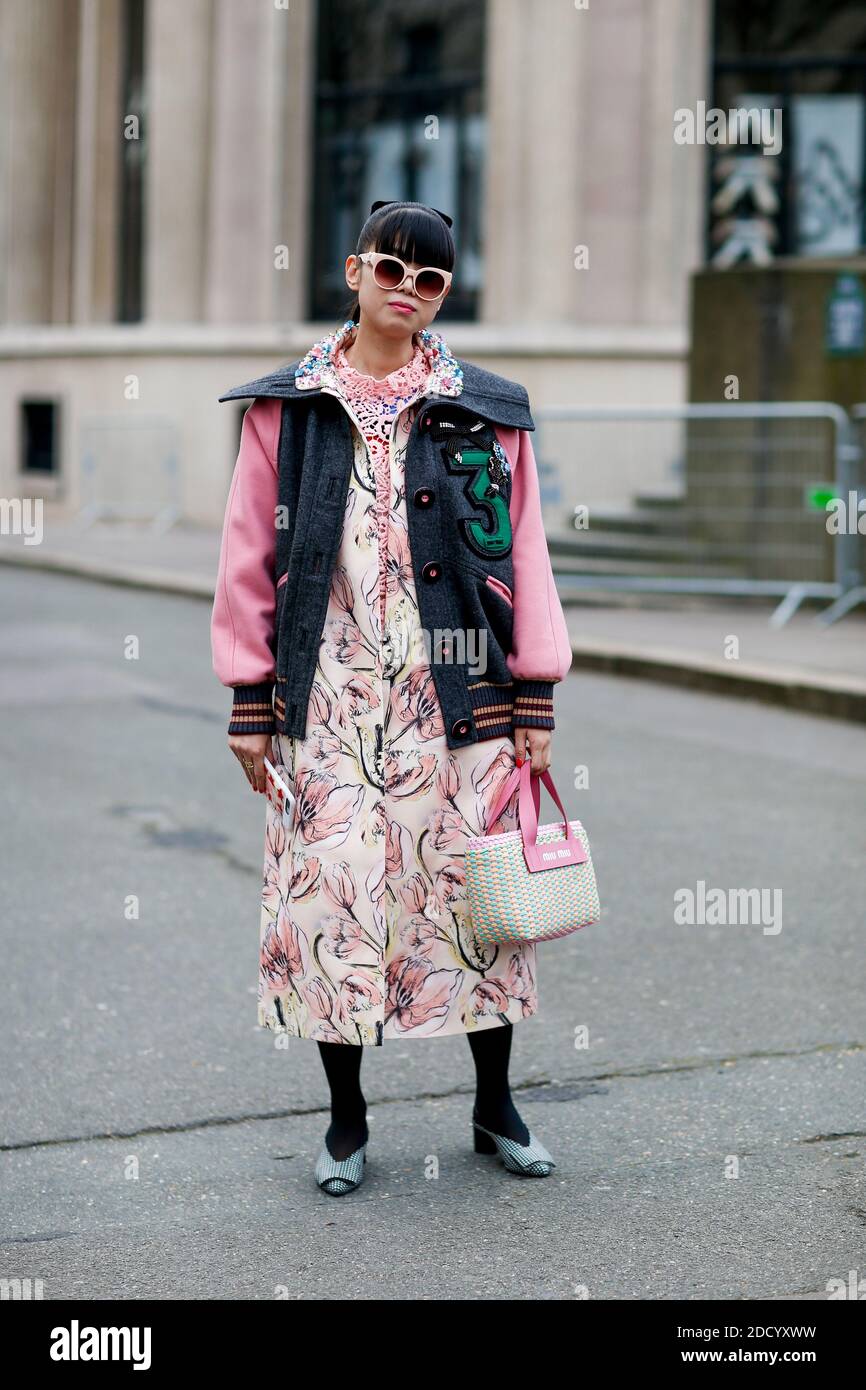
x=497, y=711
x=252, y=710
x=280, y=692
x=533, y=705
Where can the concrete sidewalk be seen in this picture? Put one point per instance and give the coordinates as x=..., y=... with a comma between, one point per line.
x=686, y=642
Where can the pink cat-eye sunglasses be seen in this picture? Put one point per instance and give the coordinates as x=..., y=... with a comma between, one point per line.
x=390, y=273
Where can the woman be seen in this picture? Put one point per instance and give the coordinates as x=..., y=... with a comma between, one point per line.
x=385, y=492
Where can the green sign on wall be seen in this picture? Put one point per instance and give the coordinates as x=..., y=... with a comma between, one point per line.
x=845, y=318
x=818, y=496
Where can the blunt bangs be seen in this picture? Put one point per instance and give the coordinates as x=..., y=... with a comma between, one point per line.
x=410, y=231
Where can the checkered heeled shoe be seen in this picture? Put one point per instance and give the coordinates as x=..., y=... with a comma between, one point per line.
x=529, y=1160
x=339, y=1176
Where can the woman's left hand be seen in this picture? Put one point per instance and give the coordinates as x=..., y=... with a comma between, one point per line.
x=535, y=744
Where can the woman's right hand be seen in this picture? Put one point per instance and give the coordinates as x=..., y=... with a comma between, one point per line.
x=251, y=751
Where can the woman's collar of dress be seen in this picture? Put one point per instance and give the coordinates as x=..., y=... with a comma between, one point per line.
x=317, y=369
x=410, y=377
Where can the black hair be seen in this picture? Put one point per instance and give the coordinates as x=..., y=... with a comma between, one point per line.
x=412, y=231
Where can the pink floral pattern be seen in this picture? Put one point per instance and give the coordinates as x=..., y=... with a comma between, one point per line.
x=365, y=932
x=376, y=403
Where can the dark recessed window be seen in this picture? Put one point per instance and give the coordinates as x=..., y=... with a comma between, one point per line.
x=132, y=133
x=399, y=114
x=39, y=437
x=801, y=194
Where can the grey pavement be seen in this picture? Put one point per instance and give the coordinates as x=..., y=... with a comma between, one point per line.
x=157, y=1144
x=678, y=640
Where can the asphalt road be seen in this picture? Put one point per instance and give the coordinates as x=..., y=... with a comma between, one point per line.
x=157, y=1144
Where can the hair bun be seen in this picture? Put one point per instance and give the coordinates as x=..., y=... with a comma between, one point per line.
x=397, y=202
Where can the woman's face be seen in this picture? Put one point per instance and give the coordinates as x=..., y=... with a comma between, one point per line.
x=381, y=308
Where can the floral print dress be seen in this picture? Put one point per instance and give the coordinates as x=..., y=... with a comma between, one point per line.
x=365, y=932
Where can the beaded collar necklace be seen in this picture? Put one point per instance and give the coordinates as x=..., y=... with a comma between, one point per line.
x=317, y=367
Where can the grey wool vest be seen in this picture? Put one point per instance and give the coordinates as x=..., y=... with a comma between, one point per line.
x=458, y=490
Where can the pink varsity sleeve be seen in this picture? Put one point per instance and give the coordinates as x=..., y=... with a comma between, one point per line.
x=242, y=621
x=540, y=647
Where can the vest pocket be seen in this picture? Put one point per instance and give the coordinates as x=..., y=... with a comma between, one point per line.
x=484, y=602
x=491, y=610
x=499, y=588
x=279, y=605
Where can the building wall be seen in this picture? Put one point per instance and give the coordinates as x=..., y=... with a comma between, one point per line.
x=580, y=152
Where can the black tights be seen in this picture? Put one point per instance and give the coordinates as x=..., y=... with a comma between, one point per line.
x=494, y=1108
x=348, y=1129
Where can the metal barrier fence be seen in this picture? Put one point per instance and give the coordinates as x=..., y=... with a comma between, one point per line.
x=129, y=471
x=716, y=499
x=855, y=500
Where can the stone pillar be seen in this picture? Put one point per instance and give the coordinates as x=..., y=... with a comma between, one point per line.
x=581, y=152
x=97, y=163
x=37, y=105
x=179, y=134
x=258, y=195
x=534, y=57
x=294, y=58
x=676, y=44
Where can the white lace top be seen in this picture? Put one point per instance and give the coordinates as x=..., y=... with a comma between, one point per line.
x=377, y=401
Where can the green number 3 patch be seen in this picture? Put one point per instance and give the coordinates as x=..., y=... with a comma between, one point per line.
x=490, y=534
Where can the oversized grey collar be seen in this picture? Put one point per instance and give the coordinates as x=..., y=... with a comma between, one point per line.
x=495, y=397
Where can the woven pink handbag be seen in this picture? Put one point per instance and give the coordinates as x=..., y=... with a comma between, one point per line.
x=534, y=883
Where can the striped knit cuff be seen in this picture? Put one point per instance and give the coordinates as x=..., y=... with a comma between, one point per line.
x=533, y=705
x=253, y=711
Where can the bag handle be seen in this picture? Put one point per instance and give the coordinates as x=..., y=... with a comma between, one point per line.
x=511, y=782
x=530, y=803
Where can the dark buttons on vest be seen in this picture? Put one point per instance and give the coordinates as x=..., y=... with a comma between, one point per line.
x=424, y=497
x=460, y=728
x=431, y=571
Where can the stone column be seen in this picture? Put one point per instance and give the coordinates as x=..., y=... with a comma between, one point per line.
x=680, y=75
x=37, y=105
x=97, y=149
x=258, y=194
x=534, y=56
x=178, y=62
x=294, y=57
x=581, y=153
x=644, y=192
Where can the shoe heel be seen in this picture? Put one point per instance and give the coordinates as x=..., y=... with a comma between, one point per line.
x=483, y=1143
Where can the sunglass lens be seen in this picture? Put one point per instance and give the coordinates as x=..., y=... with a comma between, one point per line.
x=430, y=284
x=389, y=274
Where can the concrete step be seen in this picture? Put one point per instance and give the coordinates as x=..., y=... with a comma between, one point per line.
x=671, y=550
x=651, y=521
x=571, y=563
x=658, y=500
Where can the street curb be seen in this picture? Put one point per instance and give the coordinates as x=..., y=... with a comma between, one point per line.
x=164, y=581
x=790, y=687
